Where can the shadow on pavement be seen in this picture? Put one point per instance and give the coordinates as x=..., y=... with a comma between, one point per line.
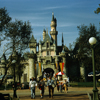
x=58, y=97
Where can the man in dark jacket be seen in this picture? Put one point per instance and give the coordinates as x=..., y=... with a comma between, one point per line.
x=50, y=84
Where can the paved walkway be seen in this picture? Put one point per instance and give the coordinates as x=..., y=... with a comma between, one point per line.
x=76, y=93
x=59, y=97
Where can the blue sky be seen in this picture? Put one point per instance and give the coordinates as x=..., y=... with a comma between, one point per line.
x=69, y=15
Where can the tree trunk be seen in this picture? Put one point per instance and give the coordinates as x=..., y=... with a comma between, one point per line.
x=19, y=78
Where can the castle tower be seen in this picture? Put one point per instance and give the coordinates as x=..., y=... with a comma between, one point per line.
x=32, y=72
x=32, y=45
x=53, y=31
x=54, y=47
x=44, y=34
x=32, y=57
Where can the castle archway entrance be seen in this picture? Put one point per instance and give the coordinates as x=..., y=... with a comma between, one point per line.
x=48, y=71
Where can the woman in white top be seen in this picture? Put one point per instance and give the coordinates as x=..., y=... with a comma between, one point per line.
x=32, y=85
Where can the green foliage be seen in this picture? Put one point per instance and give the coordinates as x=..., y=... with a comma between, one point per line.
x=84, y=48
x=18, y=34
x=4, y=18
x=8, y=87
x=97, y=10
x=2, y=87
x=97, y=56
x=84, y=34
x=83, y=84
x=19, y=66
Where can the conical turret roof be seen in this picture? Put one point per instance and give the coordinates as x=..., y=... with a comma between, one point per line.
x=32, y=40
x=63, y=50
x=44, y=30
x=47, y=38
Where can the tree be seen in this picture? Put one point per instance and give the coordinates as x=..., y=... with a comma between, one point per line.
x=17, y=34
x=84, y=51
x=97, y=10
x=20, y=65
x=4, y=20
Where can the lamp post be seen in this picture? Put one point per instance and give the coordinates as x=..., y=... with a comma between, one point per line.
x=93, y=41
x=14, y=95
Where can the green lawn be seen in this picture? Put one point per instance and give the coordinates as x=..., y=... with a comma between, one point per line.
x=83, y=84
x=8, y=87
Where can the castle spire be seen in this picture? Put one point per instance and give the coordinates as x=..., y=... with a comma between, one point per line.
x=62, y=40
x=52, y=16
x=53, y=31
x=46, y=30
x=44, y=33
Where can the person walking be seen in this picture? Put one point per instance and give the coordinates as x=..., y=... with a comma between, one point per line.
x=48, y=75
x=65, y=86
x=50, y=85
x=32, y=85
x=44, y=76
x=51, y=74
x=68, y=81
x=60, y=84
x=57, y=84
x=41, y=87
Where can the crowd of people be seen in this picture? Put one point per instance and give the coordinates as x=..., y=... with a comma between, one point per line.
x=50, y=83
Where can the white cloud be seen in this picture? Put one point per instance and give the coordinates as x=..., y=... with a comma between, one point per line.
x=84, y=15
x=39, y=24
x=67, y=24
x=52, y=7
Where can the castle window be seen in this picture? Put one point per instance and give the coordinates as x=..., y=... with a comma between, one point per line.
x=53, y=60
x=47, y=52
x=47, y=45
x=48, y=62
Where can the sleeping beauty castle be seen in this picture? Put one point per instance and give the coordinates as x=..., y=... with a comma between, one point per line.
x=49, y=54
x=48, y=58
